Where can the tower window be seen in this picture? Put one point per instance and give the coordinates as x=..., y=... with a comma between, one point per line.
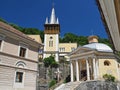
x=50, y=43
x=106, y=63
x=19, y=77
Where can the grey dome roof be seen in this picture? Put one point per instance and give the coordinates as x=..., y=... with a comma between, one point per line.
x=99, y=47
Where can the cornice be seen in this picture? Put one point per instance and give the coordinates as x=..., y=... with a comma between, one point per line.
x=17, y=67
x=92, y=54
x=86, y=54
x=17, y=57
x=48, y=52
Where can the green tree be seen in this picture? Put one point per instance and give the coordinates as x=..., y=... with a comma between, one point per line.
x=2, y=20
x=52, y=83
x=69, y=37
x=32, y=31
x=54, y=65
x=16, y=27
x=50, y=63
x=80, y=40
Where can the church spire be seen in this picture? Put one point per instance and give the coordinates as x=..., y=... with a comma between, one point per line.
x=57, y=22
x=46, y=22
x=52, y=25
x=53, y=18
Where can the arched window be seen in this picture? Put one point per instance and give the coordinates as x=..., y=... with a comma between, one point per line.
x=20, y=64
x=19, y=74
x=107, y=63
x=51, y=42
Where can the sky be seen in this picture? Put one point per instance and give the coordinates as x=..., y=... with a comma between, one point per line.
x=80, y=17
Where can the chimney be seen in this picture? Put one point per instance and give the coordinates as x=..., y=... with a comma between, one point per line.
x=93, y=39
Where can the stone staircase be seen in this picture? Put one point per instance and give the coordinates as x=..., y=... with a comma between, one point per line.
x=68, y=86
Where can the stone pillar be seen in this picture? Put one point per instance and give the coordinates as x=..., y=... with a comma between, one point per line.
x=88, y=72
x=97, y=69
x=117, y=70
x=80, y=68
x=94, y=69
x=71, y=68
x=77, y=71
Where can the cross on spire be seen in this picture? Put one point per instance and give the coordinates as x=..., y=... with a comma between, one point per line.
x=53, y=4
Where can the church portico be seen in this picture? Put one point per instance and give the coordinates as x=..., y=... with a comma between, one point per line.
x=83, y=69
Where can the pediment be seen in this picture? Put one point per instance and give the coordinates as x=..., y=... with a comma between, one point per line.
x=81, y=50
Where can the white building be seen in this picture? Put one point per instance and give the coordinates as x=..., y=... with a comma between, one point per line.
x=51, y=39
x=18, y=59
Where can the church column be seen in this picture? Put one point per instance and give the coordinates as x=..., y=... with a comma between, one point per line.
x=88, y=72
x=94, y=68
x=80, y=68
x=117, y=70
x=77, y=71
x=71, y=68
x=97, y=69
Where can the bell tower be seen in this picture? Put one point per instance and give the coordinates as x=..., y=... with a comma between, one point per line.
x=51, y=36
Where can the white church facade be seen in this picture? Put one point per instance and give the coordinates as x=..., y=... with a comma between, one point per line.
x=92, y=61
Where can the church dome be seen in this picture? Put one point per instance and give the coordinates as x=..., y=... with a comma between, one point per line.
x=99, y=47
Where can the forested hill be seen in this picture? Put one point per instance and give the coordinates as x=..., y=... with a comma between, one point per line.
x=81, y=40
x=33, y=31
x=68, y=37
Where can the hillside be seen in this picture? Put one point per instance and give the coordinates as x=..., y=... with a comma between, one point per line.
x=68, y=37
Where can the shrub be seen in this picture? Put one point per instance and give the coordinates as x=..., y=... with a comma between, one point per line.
x=52, y=83
x=108, y=77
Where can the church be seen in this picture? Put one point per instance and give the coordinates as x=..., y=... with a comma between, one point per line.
x=92, y=61
x=51, y=40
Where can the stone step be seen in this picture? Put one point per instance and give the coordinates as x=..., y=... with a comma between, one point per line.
x=68, y=86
